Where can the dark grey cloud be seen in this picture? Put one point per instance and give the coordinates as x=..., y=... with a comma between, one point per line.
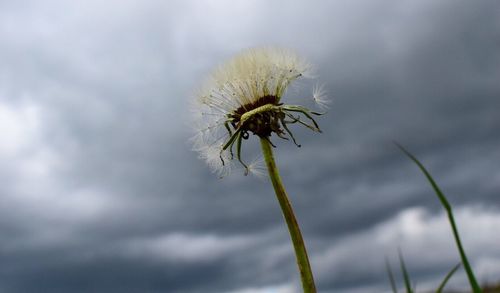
x=100, y=191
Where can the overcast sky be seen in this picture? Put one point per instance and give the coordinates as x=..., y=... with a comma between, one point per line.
x=100, y=191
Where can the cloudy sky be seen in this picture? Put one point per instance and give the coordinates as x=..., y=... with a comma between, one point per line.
x=100, y=191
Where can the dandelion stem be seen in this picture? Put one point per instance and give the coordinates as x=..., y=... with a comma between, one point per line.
x=293, y=227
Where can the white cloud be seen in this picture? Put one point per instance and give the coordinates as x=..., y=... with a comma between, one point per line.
x=34, y=169
x=19, y=126
x=426, y=241
x=285, y=288
x=186, y=247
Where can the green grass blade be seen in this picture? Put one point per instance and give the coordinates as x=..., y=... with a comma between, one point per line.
x=406, y=276
x=391, y=276
x=448, y=276
x=470, y=274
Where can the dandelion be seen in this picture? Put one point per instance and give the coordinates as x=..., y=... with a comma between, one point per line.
x=243, y=97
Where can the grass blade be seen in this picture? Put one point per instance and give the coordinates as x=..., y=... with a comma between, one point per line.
x=391, y=276
x=406, y=276
x=470, y=274
x=448, y=276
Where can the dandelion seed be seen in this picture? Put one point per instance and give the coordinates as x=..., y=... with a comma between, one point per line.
x=320, y=98
x=243, y=97
x=257, y=167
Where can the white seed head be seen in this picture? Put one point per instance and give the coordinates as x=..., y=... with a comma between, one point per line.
x=249, y=76
x=236, y=87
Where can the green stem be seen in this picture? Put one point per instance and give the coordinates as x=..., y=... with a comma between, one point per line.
x=291, y=221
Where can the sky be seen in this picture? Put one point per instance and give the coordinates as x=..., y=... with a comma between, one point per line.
x=100, y=190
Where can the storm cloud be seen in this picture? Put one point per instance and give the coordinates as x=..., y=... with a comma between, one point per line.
x=100, y=191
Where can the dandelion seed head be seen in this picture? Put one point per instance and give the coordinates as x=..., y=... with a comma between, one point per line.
x=251, y=75
x=243, y=96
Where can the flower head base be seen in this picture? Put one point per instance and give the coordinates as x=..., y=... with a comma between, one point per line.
x=243, y=96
